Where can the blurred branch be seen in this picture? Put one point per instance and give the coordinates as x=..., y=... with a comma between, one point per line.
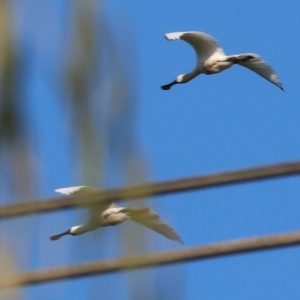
x=13, y=128
x=154, y=189
x=10, y=126
x=81, y=69
x=154, y=259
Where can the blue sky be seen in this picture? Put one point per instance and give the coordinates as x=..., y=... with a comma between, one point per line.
x=232, y=120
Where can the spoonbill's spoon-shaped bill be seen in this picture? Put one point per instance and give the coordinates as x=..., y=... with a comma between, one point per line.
x=102, y=215
x=211, y=59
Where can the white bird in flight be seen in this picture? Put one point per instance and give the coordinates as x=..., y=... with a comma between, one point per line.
x=212, y=59
x=102, y=215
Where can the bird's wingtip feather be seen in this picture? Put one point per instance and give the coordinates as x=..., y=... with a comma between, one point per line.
x=69, y=190
x=172, y=36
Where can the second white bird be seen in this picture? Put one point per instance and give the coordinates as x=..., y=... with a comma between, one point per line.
x=102, y=215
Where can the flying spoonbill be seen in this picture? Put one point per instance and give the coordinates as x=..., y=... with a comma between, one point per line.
x=102, y=215
x=211, y=59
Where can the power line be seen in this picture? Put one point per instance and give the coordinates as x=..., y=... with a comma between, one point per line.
x=151, y=260
x=152, y=189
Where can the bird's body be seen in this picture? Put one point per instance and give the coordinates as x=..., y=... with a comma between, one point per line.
x=211, y=59
x=112, y=214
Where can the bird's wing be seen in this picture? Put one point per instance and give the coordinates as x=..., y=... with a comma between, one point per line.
x=205, y=45
x=262, y=68
x=151, y=219
x=85, y=192
x=78, y=191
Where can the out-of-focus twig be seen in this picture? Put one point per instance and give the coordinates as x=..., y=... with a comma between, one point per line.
x=154, y=259
x=153, y=189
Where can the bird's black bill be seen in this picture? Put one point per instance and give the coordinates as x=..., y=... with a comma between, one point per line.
x=58, y=236
x=168, y=86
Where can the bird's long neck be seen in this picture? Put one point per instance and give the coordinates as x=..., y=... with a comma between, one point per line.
x=75, y=230
x=81, y=229
x=189, y=76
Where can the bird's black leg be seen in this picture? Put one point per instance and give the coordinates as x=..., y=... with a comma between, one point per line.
x=238, y=59
x=242, y=58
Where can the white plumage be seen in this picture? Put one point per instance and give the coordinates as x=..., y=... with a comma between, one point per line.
x=102, y=215
x=69, y=190
x=211, y=59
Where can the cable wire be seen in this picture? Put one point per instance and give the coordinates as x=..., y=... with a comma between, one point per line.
x=152, y=189
x=150, y=260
